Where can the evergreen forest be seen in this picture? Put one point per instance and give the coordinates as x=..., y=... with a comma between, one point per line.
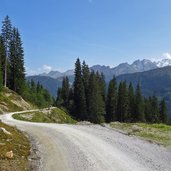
x=90, y=99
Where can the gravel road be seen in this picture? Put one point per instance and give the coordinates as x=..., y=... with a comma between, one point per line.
x=92, y=148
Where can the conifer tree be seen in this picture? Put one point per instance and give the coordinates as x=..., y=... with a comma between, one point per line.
x=111, y=102
x=148, y=109
x=154, y=109
x=6, y=35
x=85, y=77
x=16, y=62
x=2, y=57
x=163, y=112
x=131, y=103
x=65, y=91
x=122, y=102
x=59, y=100
x=139, y=105
x=1, y=79
x=102, y=85
x=96, y=104
x=79, y=93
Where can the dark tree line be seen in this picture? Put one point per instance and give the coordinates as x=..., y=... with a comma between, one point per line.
x=12, y=71
x=90, y=99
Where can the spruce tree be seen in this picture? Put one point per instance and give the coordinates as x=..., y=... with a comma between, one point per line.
x=96, y=104
x=139, y=105
x=1, y=79
x=6, y=35
x=131, y=103
x=154, y=109
x=80, y=110
x=2, y=57
x=16, y=62
x=163, y=112
x=122, y=102
x=111, y=102
x=85, y=77
x=59, y=100
x=65, y=91
x=102, y=85
x=148, y=109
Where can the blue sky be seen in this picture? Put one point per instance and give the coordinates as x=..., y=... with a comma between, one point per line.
x=56, y=32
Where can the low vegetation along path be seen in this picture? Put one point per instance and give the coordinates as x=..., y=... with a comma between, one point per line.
x=92, y=147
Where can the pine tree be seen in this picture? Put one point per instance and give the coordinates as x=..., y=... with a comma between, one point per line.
x=163, y=112
x=16, y=61
x=131, y=103
x=6, y=35
x=79, y=93
x=111, y=102
x=139, y=105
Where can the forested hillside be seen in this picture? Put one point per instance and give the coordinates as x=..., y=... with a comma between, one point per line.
x=155, y=82
x=88, y=100
x=12, y=70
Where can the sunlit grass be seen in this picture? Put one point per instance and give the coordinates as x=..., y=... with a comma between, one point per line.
x=158, y=133
x=20, y=146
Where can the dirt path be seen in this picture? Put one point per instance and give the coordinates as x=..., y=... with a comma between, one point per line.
x=92, y=148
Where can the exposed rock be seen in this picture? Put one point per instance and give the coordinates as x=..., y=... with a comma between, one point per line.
x=5, y=131
x=9, y=154
x=136, y=128
x=2, y=144
x=84, y=123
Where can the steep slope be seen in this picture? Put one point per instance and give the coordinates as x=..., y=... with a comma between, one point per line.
x=11, y=101
x=157, y=81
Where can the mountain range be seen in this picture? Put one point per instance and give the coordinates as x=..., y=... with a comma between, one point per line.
x=123, y=68
x=53, y=79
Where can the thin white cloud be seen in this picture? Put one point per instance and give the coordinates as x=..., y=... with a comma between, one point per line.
x=90, y=1
x=165, y=55
x=47, y=68
x=44, y=69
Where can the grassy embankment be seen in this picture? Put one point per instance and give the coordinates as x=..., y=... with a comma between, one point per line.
x=158, y=133
x=11, y=102
x=17, y=142
x=48, y=116
x=20, y=147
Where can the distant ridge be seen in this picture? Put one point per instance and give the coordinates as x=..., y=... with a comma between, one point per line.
x=123, y=68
